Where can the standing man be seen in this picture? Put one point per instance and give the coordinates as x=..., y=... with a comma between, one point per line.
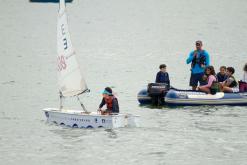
x=199, y=59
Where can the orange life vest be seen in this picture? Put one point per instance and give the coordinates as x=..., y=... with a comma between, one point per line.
x=109, y=102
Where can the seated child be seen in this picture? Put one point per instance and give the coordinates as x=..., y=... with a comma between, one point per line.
x=221, y=76
x=243, y=82
x=230, y=85
x=209, y=71
x=162, y=76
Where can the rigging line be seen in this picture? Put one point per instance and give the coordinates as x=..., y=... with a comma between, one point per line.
x=86, y=90
x=83, y=107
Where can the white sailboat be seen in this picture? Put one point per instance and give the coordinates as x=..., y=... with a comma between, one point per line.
x=72, y=84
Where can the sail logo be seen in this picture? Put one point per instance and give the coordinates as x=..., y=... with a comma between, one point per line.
x=65, y=43
x=61, y=63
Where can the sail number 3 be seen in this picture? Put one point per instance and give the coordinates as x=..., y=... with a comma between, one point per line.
x=61, y=63
x=61, y=60
x=65, y=43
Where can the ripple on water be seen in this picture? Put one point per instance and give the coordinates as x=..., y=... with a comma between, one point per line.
x=211, y=126
x=8, y=82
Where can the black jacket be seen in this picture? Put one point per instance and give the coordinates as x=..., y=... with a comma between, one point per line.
x=162, y=77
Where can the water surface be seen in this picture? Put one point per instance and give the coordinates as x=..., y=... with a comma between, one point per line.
x=119, y=43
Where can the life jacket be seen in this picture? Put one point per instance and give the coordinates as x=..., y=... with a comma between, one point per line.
x=109, y=102
x=234, y=83
x=215, y=87
x=201, y=60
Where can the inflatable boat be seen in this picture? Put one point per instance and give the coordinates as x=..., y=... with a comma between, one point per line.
x=177, y=97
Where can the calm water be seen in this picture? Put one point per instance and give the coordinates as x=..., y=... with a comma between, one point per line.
x=119, y=43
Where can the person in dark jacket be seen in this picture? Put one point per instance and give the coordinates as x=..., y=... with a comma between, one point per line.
x=221, y=76
x=162, y=76
x=110, y=101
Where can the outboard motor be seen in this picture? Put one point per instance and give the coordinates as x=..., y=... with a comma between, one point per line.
x=157, y=91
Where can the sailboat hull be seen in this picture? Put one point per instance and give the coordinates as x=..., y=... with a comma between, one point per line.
x=80, y=119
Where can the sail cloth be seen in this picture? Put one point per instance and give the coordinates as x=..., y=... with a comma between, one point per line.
x=70, y=79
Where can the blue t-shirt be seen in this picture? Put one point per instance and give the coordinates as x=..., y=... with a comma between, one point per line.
x=197, y=68
x=220, y=77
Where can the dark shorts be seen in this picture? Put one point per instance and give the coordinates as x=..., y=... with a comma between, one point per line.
x=195, y=78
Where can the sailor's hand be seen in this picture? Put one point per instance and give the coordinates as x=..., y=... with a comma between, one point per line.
x=99, y=111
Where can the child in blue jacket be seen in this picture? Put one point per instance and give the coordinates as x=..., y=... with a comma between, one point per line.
x=162, y=76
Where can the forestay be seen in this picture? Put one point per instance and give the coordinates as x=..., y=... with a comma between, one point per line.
x=70, y=79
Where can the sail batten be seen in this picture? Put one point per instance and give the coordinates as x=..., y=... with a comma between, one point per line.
x=70, y=79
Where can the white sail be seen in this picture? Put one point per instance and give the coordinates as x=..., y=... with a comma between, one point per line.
x=70, y=79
